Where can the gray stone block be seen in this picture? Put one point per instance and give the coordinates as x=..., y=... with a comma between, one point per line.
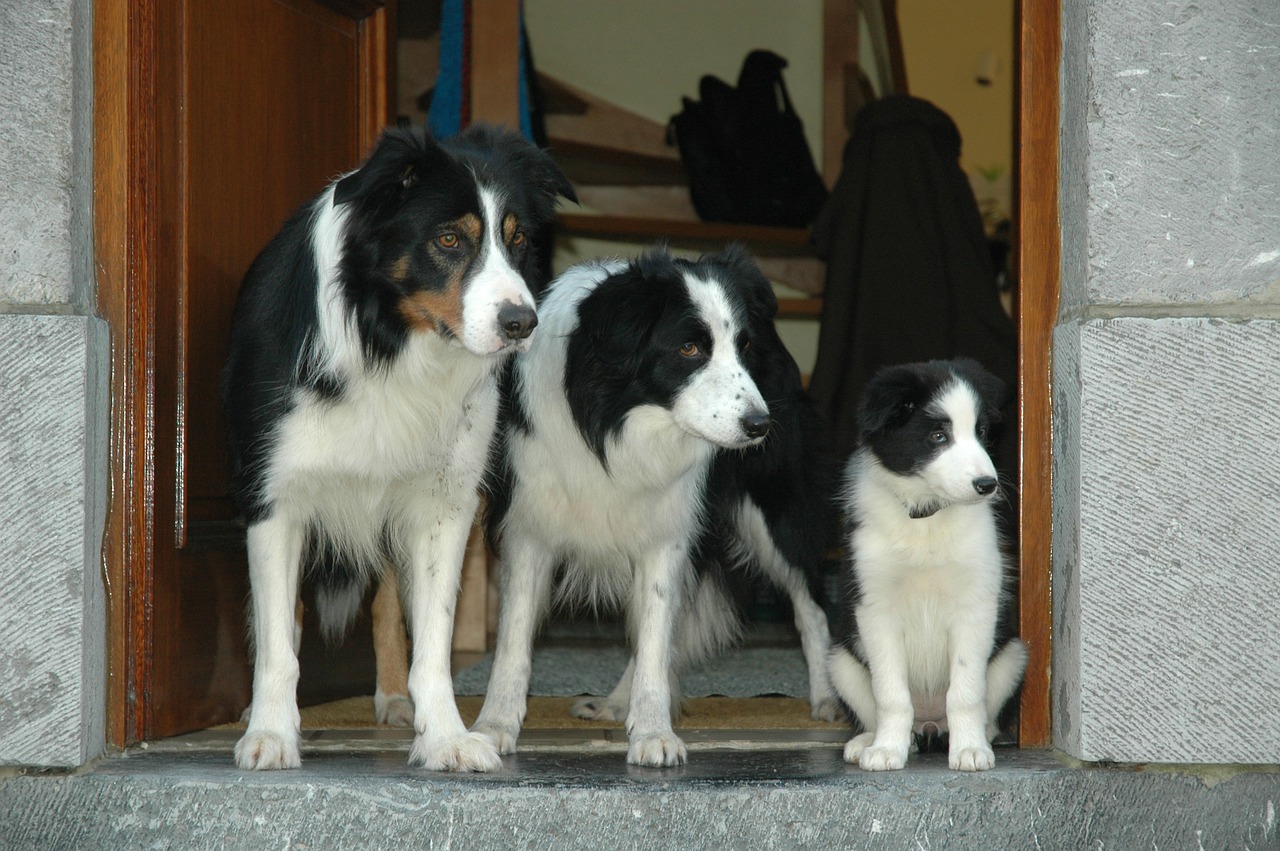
x=1183, y=146
x=1167, y=467
x=36, y=158
x=53, y=438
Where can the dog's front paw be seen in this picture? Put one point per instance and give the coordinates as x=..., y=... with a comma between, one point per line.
x=503, y=735
x=467, y=752
x=262, y=750
x=393, y=709
x=978, y=758
x=854, y=747
x=598, y=709
x=657, y=750
x=882, y=758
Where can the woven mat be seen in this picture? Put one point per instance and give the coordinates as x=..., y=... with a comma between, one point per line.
x=552, y=713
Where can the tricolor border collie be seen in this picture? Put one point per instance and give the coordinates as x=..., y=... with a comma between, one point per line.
x=922, y=640
x=361, y=396
x=657, y=425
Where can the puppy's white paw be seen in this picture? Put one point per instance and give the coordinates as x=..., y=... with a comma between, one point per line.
x=262, y=750
x=825, y=709
x=467, y=752
x=503, y=735
x=393, y=709
x=598, y=709
x=854, y=747
x=883, y=758
x=657, y=750
x=978, y=758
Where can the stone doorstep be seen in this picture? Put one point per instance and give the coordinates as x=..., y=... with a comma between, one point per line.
x=573, y=789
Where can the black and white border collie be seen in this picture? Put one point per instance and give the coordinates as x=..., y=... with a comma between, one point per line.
x=922, y=638
x=648, y=420
x=361, y=396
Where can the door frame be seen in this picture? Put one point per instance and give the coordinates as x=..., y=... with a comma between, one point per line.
x=126, y=144
x=126, y=141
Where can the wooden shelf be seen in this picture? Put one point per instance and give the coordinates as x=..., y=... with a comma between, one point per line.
x=774, y=240
x=799, y=308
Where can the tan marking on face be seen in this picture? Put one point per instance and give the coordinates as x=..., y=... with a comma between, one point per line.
x=400, y=269
x=509, y=227
x=435, y=310
x=469, y=226
x=438, y=310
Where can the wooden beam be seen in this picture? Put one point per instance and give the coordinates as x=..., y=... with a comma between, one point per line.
x=1037, y=244
x=495, y=62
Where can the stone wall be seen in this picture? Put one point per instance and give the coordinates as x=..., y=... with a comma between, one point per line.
x=53, y=394
x=1166, y=374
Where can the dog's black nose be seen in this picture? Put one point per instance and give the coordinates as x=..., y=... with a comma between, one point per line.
x=756, y=424
x=984, y=485
x=517, y=321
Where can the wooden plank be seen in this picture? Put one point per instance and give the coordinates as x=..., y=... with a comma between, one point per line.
x=495, y=62
x=839, y=52
x=794, y=240
x=1037, y=244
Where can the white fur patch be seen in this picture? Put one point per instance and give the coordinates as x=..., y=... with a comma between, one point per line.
x=495, y=285
x=721, y=393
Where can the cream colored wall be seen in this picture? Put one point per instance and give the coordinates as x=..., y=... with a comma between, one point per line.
x=644, y=54
x=946, y=43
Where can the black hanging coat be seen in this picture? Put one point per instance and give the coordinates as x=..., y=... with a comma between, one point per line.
x=909, y=274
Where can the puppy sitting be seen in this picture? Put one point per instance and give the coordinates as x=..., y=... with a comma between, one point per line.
x=916, y=637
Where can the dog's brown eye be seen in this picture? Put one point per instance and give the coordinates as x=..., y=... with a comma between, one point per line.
x=690, y=350
x=746, y=344
x=447, y=240
x=517, y=238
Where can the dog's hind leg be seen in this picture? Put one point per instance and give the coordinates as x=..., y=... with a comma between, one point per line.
x=811, y=621
x=852, y=682
x=526, y=572
x=614, y=707
x=275, y=554
x=391, y=703
x=1004, y=675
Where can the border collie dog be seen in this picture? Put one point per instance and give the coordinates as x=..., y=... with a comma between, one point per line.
x=638, y=427
x=922, y=641
x=361, y=396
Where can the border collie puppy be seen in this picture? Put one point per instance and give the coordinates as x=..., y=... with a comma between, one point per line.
x=922, y=640
x=640, y=384
x=361, y=397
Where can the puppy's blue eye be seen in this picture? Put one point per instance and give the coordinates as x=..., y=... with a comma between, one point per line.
x=939, y=437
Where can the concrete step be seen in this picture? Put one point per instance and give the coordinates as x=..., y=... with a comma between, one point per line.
x=740, y=789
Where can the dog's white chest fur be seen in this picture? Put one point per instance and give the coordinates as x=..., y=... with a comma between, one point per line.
x=391, y=440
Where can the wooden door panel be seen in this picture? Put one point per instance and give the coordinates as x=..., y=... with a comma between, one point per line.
x=259, y=103
x=271, y=113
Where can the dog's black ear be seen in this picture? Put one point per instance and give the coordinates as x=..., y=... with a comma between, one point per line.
x=889, y=400
x=395, y=163
x=755, y=287
x=993, y=391
x=547, y=174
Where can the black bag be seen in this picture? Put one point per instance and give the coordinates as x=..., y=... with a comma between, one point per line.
x=744, y=149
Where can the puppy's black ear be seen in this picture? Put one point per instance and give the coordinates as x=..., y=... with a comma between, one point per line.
x=993, y=391
x=395, y=163
x=889, y=400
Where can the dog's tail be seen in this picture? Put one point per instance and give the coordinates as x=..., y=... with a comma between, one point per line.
x=337, y=605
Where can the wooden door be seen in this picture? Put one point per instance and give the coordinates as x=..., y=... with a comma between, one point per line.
x=233, y=113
